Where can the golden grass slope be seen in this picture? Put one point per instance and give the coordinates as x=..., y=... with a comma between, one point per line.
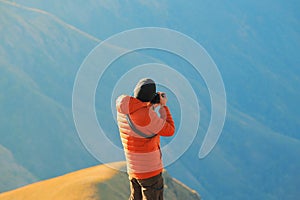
x=95, y=183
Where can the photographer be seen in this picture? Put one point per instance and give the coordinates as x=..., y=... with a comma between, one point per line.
x=140, y=130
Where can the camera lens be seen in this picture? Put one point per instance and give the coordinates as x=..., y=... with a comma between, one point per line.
x=156, y=99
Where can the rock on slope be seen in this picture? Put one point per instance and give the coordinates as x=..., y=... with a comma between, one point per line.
x=99, y=182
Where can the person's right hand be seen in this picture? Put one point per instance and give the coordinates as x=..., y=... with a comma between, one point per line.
x=163, y=98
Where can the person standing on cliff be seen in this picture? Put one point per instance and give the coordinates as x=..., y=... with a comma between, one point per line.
x=140, y=129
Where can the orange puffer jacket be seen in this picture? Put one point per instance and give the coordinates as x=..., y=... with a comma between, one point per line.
x=143, y=155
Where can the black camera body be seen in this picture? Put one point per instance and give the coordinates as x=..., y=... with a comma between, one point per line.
x=156, y=98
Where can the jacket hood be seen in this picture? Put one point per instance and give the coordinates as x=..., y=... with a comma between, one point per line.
x=127, y=104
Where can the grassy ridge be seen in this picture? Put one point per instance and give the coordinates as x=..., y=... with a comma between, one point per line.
x=95, y=183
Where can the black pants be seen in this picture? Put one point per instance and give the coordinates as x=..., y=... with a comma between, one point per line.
x=147, y=189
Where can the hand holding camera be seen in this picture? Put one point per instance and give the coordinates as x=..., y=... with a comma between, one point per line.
x=160, y=98
x=163, y=98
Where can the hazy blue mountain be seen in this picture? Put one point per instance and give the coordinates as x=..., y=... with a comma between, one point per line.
x=37, y=72
x=254, y=44
x=12, y=174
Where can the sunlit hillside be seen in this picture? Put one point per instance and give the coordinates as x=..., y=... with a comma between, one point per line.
x=95, y=183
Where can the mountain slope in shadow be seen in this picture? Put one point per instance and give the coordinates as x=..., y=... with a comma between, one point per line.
x=95, y=183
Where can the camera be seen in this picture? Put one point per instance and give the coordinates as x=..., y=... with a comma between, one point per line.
x=156, y=98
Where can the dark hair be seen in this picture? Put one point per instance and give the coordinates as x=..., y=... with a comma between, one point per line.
x=145, y=90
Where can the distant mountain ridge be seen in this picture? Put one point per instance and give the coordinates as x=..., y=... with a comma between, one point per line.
x=95, y=183
x=12, y=174
x=54, y=17
x=36, y=120
x=252, y=42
